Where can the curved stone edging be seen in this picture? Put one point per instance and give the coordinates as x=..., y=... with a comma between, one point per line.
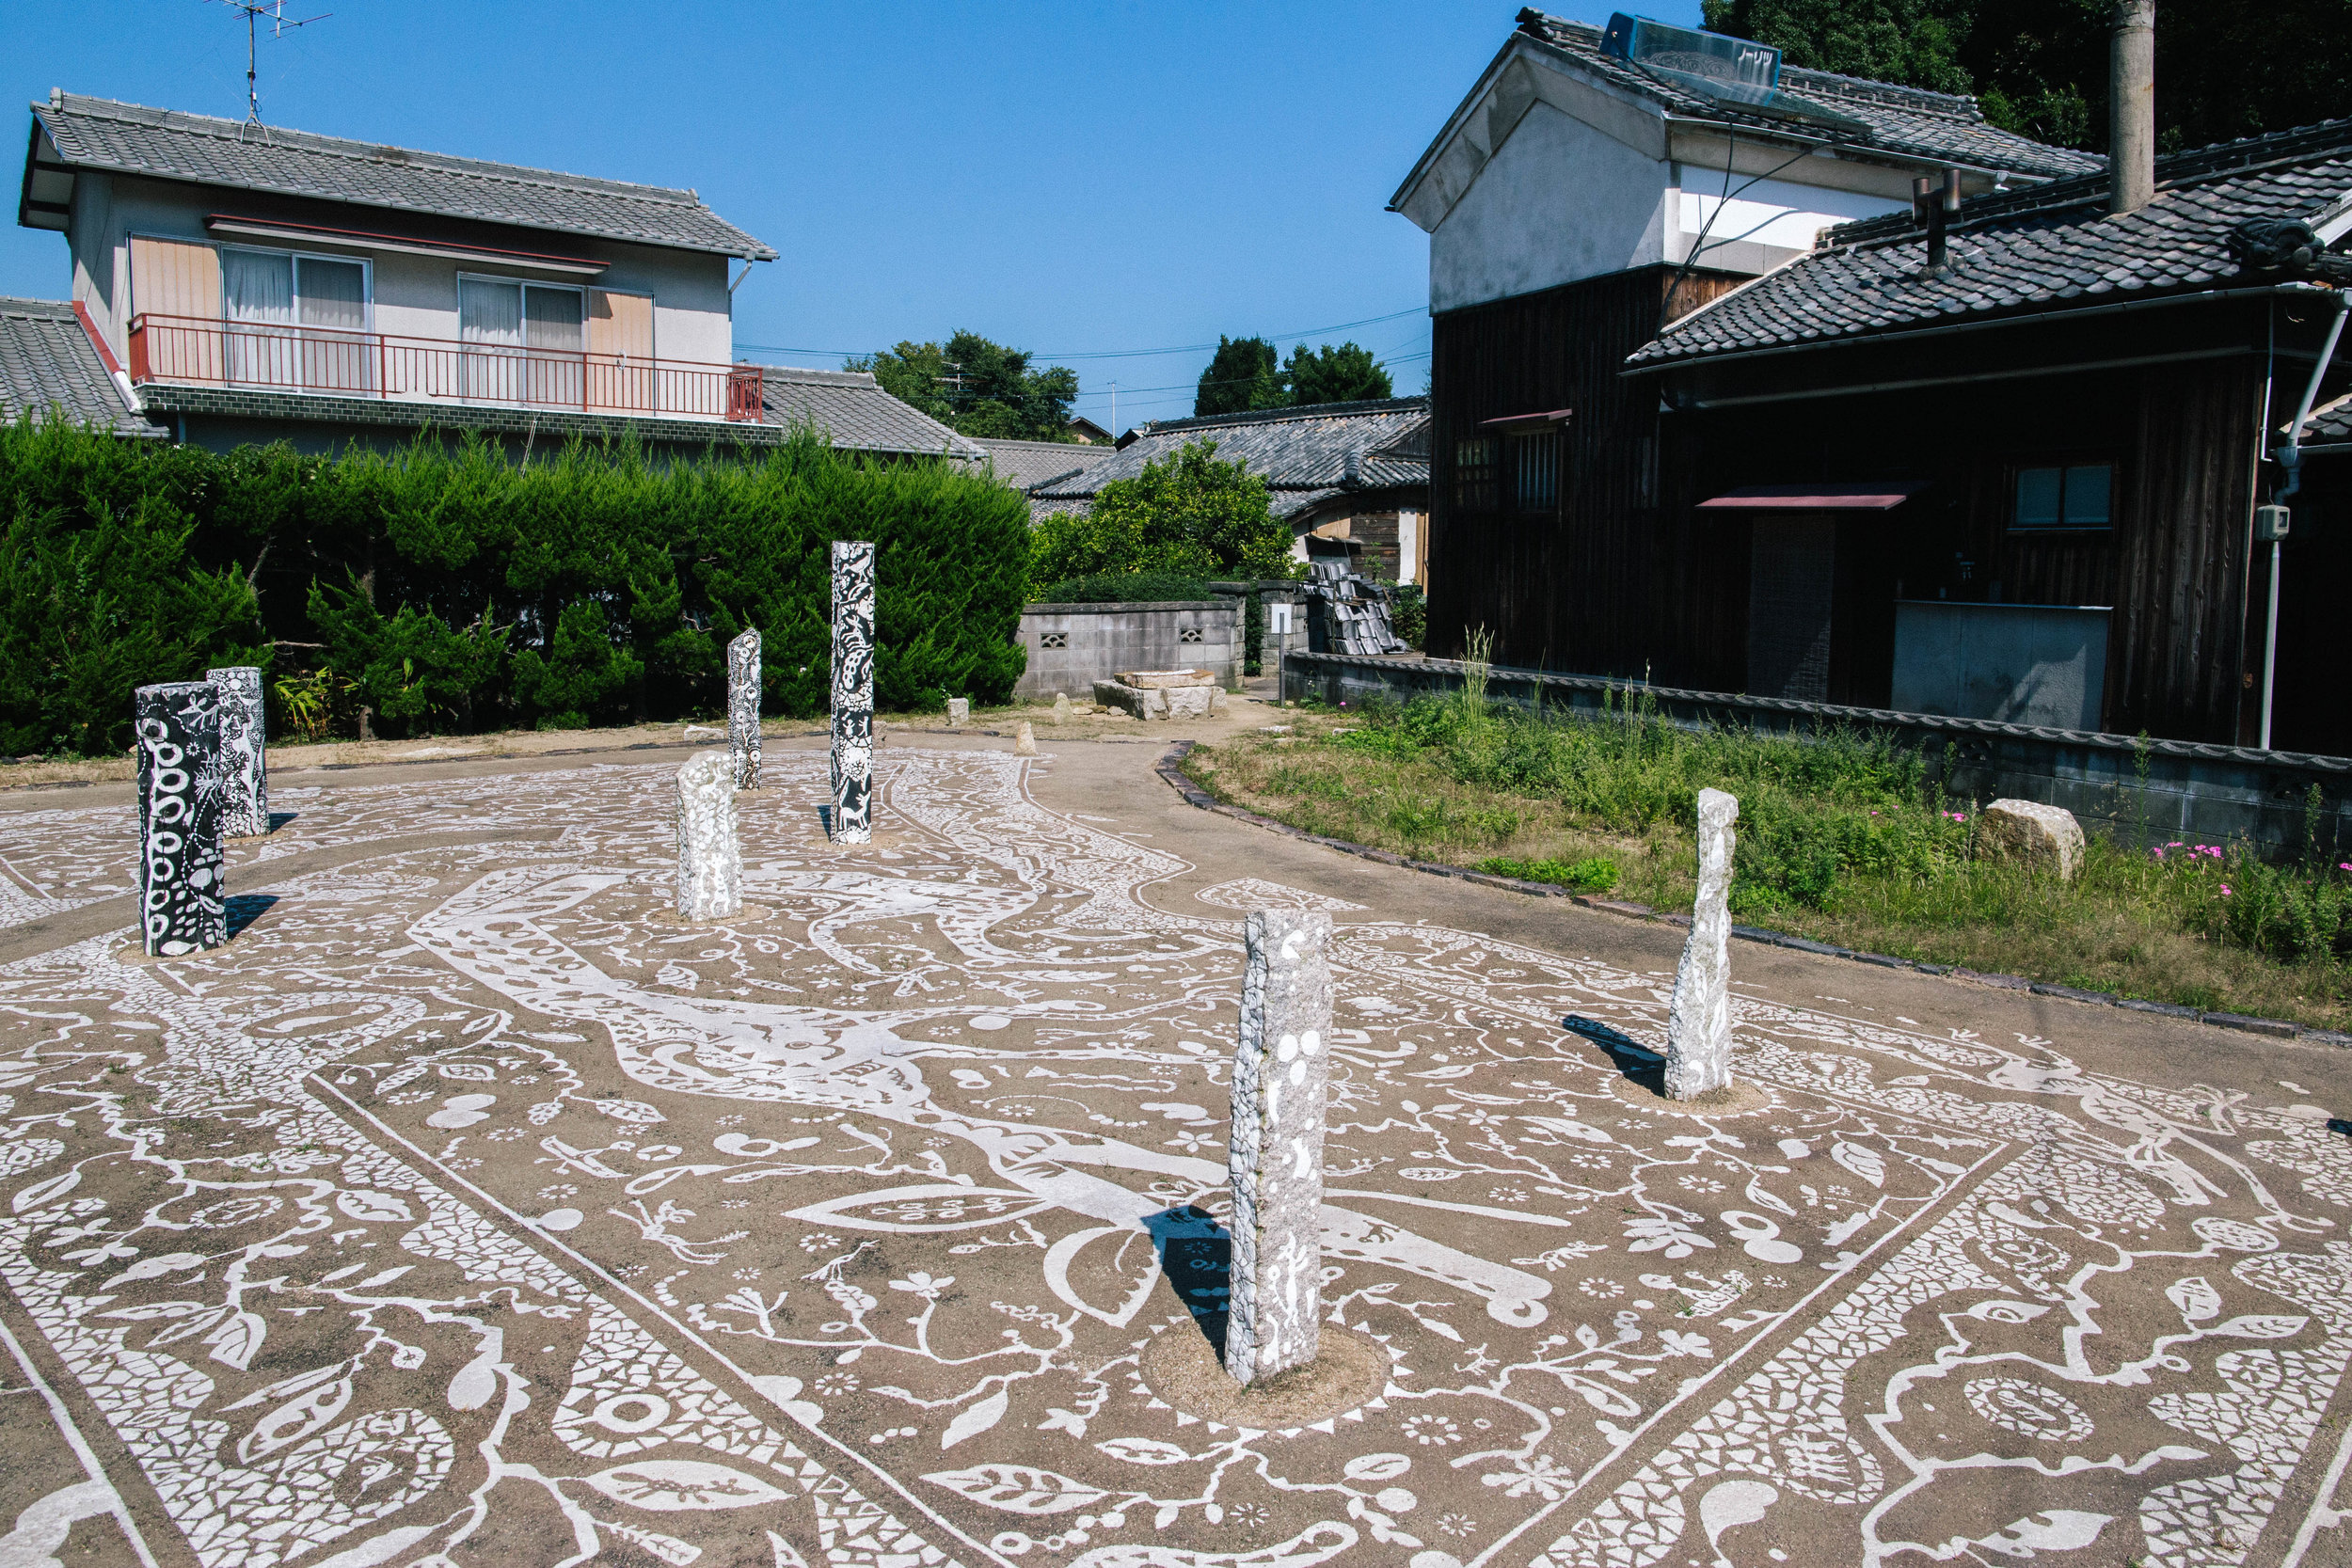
x=1171, y=769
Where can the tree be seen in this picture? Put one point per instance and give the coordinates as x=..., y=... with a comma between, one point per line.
x=1343, y=374
x=978, y=388
x=1187, y=513
x=1246, y=373
x=2039, y=66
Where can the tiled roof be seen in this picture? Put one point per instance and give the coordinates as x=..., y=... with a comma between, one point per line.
x=100, y=133
x=2035, y=251
x=1909, y=121
x=1310, y=453
x=2331, y=423
x=47, y=362
x=856, y=414
x=1025, y=465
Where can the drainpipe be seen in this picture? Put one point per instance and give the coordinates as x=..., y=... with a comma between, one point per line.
x=2290, y=457
x=2131, y=105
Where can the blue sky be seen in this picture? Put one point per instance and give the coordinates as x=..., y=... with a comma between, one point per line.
x=1082, y=181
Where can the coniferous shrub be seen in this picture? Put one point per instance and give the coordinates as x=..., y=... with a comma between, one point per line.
x=446, y=588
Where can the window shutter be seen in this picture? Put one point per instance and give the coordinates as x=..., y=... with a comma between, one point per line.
x=620, y=351
x=177, y=282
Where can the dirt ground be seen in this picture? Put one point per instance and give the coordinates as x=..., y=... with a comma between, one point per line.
x=881, y=1226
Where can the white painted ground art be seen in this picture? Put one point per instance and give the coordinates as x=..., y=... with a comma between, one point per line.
x=468, y=1210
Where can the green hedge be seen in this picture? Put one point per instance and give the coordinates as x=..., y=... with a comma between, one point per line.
x=448, y=590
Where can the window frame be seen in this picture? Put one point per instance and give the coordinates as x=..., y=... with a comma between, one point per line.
x=1477, y=486
x=2062, y=466
x=1543, y=448
x=367, y=285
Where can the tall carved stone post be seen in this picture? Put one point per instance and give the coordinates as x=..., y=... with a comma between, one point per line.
x=181, y=908
x=852, y=690
x=1699, y=1027
x=244, y=752
x=743, y=709
x=710, y=861
x=1280, y=1070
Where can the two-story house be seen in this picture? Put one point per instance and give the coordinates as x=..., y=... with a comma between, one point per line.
x=242, y=282
x=1594, y=185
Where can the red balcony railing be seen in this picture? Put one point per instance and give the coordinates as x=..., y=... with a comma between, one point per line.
x=193, y=351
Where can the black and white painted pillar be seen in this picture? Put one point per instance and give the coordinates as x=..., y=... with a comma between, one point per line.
x=710, y=859
x=743, y=709
x=852, y=690
x=1280, y=1072
x=1698, y=1024
x=244, y=752
x=177, y=729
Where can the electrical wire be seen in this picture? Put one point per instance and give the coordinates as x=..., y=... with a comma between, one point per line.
x=1109, y=353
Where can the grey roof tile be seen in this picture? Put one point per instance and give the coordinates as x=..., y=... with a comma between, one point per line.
x=165, y=144
x=1315, y=452
x=2027, y=252
x=48, y=363
x=2331, y=423
x=856, y=414
x=1027, y=464
x=1910, y=121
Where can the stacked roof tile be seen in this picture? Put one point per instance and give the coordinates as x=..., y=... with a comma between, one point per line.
x=1027, y=465
x=2030, y=252
x=48, y=366
x=1306, y=455
x=852, y=408
x=164, y=144
x=1909, y=121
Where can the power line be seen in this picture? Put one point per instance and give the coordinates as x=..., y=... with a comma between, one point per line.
x=1108, y=353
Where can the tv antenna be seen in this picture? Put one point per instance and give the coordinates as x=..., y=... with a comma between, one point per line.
x=254, y=11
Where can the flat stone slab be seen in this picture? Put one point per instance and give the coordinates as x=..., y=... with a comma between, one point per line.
x=1163, y=679
x=866, y=1225
x=1189, y=700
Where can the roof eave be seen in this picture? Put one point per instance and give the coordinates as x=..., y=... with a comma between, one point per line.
x=1454, y=121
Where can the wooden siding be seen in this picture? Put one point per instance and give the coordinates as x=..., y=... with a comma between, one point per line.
x=1570, y=587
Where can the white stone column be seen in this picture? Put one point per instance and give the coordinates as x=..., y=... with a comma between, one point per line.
x=709, y=861
x=743, y=709
x=959, y=712
x=181, y=904
x=1280, y=1070
x=244, y=750
x=852, y=690
x=1024, y=739
x=1699, y=1027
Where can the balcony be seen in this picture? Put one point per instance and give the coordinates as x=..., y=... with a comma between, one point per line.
x=196, y=352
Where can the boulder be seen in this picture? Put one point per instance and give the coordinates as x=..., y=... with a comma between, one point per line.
x=2040, y=837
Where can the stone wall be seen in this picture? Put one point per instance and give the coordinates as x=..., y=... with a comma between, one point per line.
x=1073, y=645
x=2192, y=789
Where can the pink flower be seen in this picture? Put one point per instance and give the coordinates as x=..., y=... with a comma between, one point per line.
x=2225, y=890
x=2343, y=865
x=2159, y=854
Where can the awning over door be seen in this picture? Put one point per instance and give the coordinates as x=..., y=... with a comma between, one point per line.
x=1861, y=496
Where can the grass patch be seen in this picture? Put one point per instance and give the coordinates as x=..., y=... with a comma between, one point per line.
x=1841, y=838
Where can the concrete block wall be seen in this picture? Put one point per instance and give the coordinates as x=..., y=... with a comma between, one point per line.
x=1073, y=645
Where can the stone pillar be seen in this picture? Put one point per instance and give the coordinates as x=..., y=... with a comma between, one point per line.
x=852, y=690
x=1061, y=707
x=709, y=861
x=1699, y=1028
x=244, y=752
x=743, y=709
x=959, y=712
x=1275, y=1155
x=1024, y=739
x=181, y=908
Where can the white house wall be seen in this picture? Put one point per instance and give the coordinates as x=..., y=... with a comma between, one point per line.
x=1774, y=215
x=1559, y=201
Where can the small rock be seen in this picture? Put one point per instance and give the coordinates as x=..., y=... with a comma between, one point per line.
x=1023, y=741
x=1061, y=707
x=2039, y=837
x=959, y=712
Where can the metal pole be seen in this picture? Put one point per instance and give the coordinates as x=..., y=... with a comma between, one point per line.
x=1281, y=639
x=2270, y=646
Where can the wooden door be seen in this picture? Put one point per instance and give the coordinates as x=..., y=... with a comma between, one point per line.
x=175, y=290
x=620, y=352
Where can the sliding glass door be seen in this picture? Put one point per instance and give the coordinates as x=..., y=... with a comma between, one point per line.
x=297, y=320
x=524, y=342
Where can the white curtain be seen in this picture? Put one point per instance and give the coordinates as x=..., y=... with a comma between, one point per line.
x=555, y=334
x=257, y=286
x=332, y=298
x=490, y=314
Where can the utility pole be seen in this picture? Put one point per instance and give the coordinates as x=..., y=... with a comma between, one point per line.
x=254, y=11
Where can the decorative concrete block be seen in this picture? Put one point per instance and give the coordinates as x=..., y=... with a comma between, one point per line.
x=743, y=709
x=1698, y=1026
x=244, y=752
x=181, y=787
x=1024, y=739
x=852, y=690
x=1275, y=1157
x=959, y=712
x=2039, y=837
x=710, y=859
